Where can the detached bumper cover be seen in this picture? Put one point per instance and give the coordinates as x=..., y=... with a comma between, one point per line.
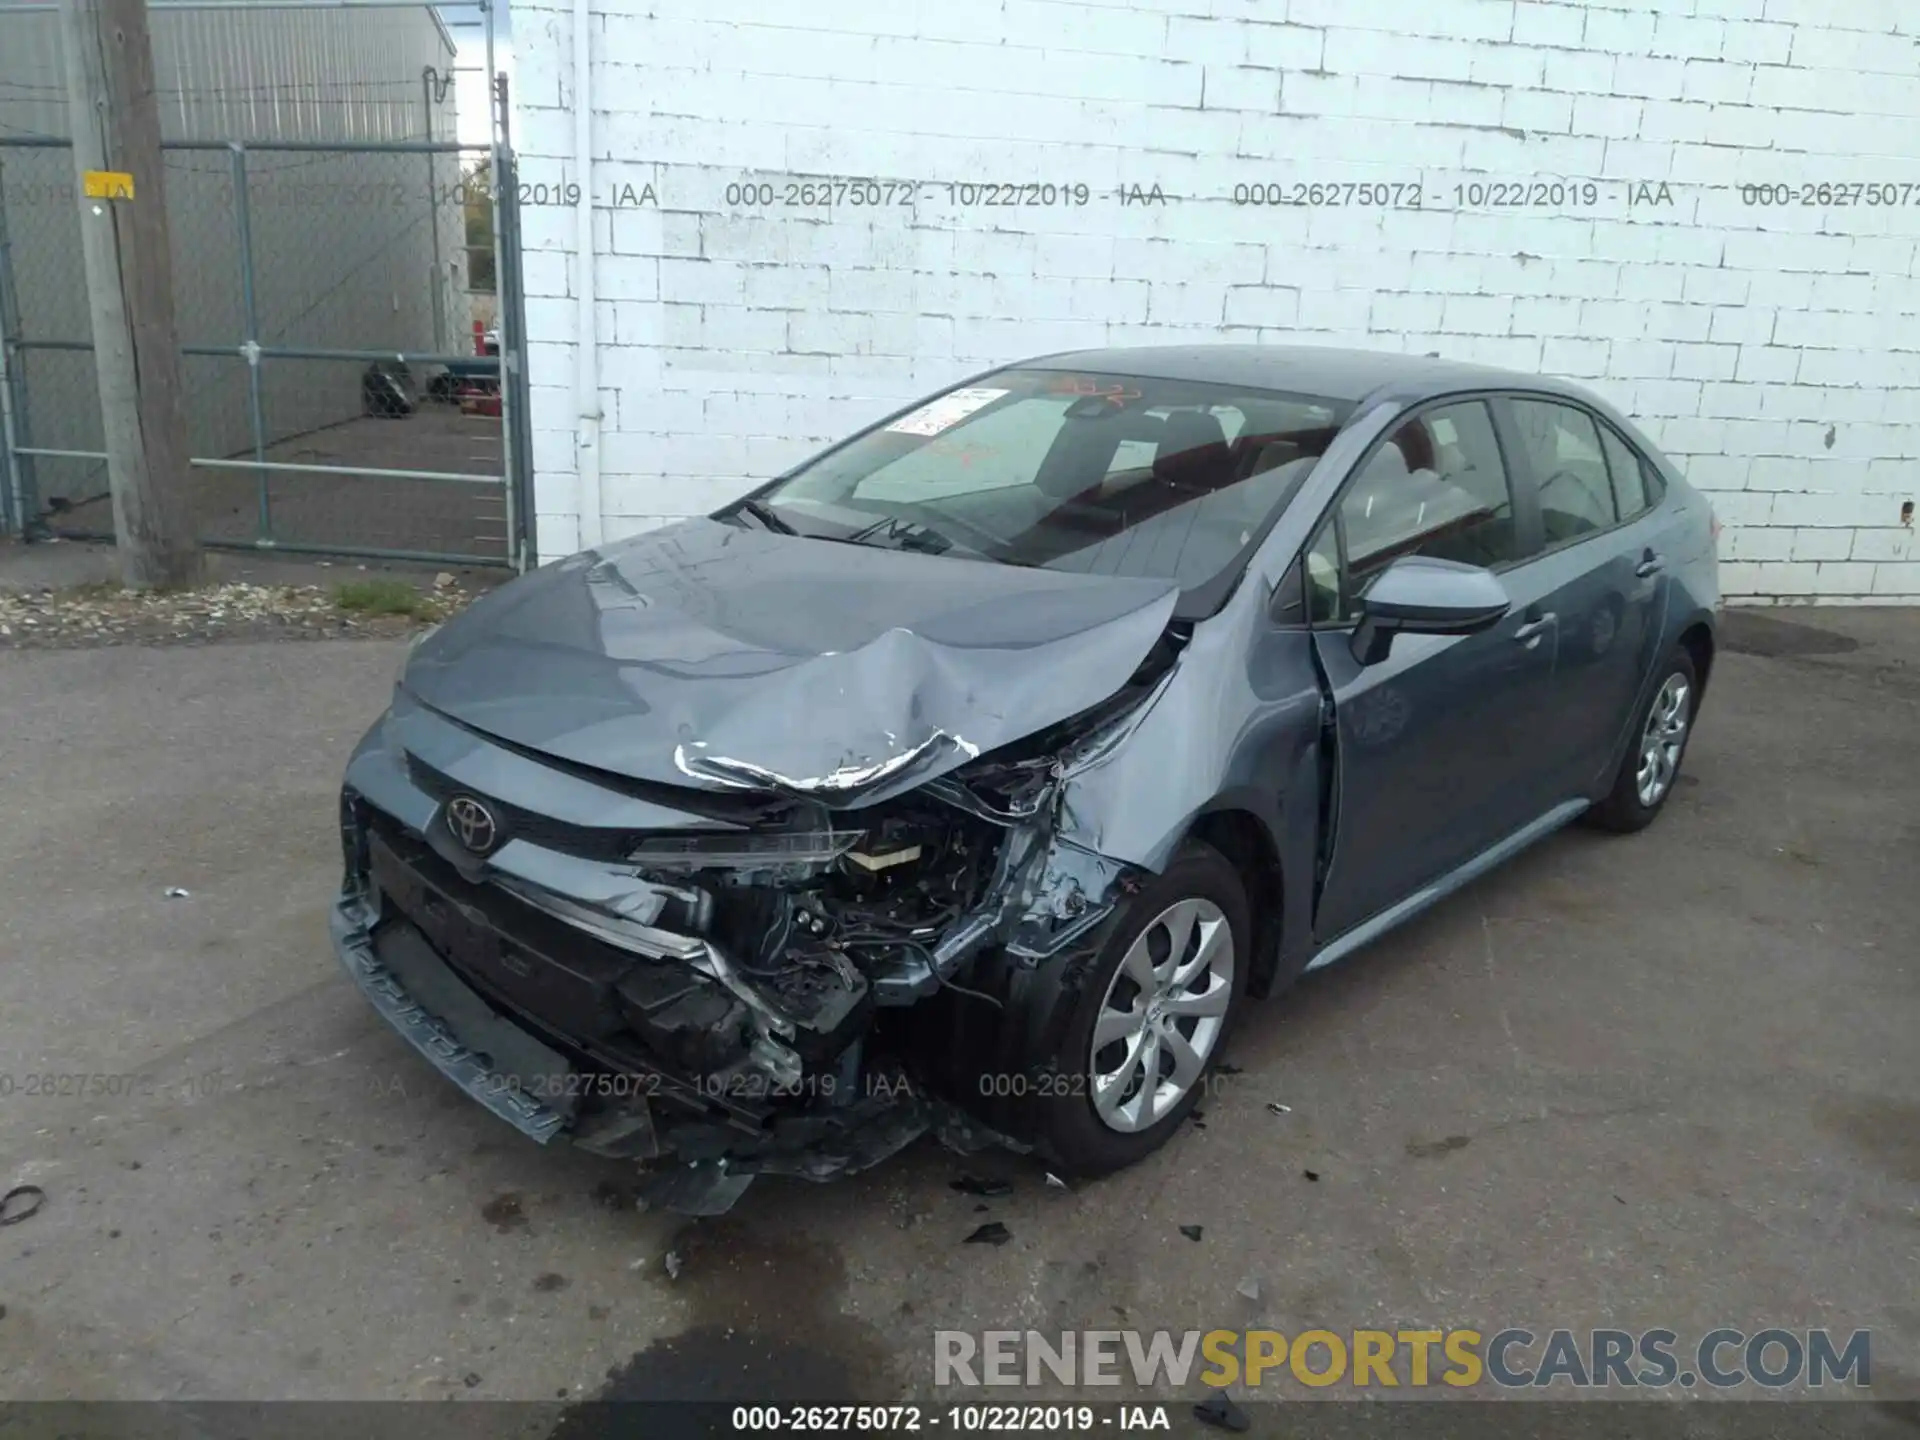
x=482, y=968
x=434, y=1022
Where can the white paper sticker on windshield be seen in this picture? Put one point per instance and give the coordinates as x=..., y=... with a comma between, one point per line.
x=946, y=412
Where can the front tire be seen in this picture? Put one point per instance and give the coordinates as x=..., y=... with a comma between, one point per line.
x=1651, y=766
x=1147, y=1023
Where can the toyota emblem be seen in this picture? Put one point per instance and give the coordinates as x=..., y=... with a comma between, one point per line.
x=472, y=824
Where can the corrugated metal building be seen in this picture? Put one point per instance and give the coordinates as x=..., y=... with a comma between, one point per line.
x=350, y=250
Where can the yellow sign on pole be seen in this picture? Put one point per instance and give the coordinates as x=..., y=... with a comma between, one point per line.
x=109, y=184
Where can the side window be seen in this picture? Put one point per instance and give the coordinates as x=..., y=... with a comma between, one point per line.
x=1435, y=487
x=1288, y=605
x=1562, y=448
x=1322, y=569
x=1629, y=475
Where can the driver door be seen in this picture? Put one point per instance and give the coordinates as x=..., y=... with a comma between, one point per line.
x=1440, y=748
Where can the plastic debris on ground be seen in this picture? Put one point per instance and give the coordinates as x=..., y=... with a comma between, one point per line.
x=981, y=1189
x=1192, y=1232
x=175, y=892
x=991, y=1233
x=1276, y=1108
x=29, y=1199
x=1249, y=1288
x=1221, y=1413
x=672, y=1263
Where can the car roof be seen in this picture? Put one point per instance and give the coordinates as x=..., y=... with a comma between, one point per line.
x=1332, y=372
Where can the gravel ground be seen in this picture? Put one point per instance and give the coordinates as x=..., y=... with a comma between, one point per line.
x=93, y=615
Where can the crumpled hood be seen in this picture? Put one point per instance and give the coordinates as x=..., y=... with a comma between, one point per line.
x=710, y=656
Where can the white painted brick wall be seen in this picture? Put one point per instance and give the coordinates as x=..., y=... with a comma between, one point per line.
x=1773, y=350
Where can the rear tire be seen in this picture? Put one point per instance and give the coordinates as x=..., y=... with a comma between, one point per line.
x=1088, y=1108
x=1651, y=767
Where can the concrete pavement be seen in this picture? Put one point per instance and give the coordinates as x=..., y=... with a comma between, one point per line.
x=1667, y=1080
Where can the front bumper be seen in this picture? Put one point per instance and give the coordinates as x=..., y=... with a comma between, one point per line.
x=572, y=998
x=505, y=1067
x=716, y=1143
x=436, y=1031
x=509, y=1002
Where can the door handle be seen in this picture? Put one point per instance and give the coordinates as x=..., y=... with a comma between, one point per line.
x=1529, y=634
x=1650, y=564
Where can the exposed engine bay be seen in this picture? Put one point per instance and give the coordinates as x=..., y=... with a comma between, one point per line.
x=756, y=995
x=812, y=923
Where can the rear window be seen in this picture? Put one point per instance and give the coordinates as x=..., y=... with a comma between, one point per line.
x=1569, y=469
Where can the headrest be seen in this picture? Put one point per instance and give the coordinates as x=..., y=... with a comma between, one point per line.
x=1415, y=444
x=1193, y=450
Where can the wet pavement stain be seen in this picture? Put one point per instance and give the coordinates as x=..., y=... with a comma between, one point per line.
x=1748, y=633
x=1427, y=1149
x=1883, y=1129
x=765, y=1326
x=1893, y=1401
x=504, y=1213
x=1576, y=899
x=610, y=1195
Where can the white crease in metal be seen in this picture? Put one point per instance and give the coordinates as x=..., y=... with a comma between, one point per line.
x=746, y=775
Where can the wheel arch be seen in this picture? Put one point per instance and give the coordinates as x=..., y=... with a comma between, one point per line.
x=1697, y=640
x=1246, y=839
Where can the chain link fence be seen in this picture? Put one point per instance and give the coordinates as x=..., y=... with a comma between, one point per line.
x=339, y=311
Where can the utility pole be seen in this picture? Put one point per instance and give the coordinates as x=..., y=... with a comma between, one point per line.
x=123, y=239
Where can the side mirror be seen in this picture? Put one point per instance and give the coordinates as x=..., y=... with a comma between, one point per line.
x=1419, y=595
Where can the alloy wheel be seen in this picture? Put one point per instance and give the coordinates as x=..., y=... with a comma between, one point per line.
x=1662, y=740
x=1162, y=1015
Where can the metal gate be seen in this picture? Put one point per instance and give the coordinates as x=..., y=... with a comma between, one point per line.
x=345, y=278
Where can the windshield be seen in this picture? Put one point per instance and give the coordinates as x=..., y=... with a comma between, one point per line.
x=1104, y=474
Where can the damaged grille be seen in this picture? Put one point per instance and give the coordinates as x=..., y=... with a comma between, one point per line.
x=547, y=966
x=585, y=842
x=792, y=935
x=793, y=987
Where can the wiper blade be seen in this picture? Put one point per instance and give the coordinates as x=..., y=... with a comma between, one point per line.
x=891, y=525
x=764, y=514
x=893, y=532
x=927, y=542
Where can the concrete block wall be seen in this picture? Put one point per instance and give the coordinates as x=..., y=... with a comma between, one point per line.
x=1584, y=175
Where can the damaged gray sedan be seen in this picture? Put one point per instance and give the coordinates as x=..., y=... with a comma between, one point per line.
x=971, y=777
